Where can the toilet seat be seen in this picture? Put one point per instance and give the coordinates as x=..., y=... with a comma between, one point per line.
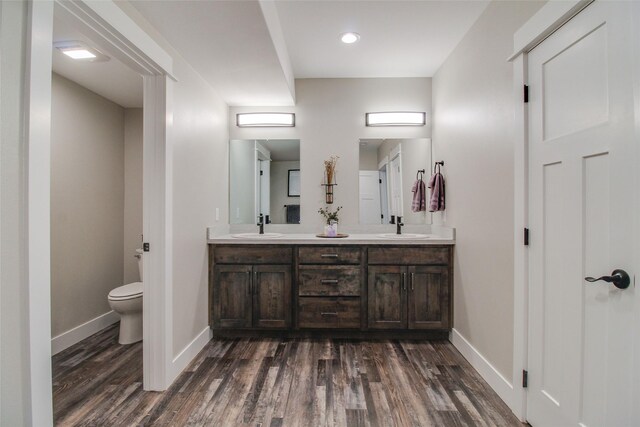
x=125, y=292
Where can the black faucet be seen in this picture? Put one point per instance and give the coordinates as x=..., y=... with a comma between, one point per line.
x=399, y=225
x=261, y=223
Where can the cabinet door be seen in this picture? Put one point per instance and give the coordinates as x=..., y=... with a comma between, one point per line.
x=272, y=296
x=232, y=296
x=428, y=301
x=387, y=297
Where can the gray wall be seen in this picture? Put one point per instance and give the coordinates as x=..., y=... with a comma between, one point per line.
x=279, y=190
x=200, y=141
x=87, y=203
x=132, y=192
x=473, y=133
x=15, y=401
x=330, y=121
x=368, y=159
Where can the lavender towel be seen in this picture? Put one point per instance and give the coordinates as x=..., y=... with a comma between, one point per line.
x=419, y=202
x=436, y=184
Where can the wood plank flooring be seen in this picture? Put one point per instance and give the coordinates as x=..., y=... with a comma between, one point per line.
x=277, y=382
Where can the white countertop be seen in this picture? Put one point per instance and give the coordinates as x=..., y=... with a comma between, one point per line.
x=311, y=239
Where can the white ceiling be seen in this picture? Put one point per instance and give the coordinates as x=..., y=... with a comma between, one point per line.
x=228, y=43
x=111, y=79
x=398, y=38
x=246, y=49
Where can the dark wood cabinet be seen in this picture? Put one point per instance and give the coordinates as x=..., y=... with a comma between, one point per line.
x=387, y=297
x=272, y=296
x=329, y=313
x=232, y=296
x=246, y=296
x=329, y=287
x=428, y=301
x=404, y=296
x=360, y=289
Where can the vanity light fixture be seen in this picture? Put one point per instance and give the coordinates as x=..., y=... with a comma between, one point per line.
x=396, y=118
x=349, y=38
x=80, y=51
x=245, y=120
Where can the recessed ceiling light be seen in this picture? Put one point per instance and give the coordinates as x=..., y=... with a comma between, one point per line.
x=80, y=51
x=349, y=38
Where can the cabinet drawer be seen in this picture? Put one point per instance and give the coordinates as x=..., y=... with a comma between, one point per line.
x=329, y=255
x=409, y=256
x=334, y=280
x=329, y=312
x=252, y=254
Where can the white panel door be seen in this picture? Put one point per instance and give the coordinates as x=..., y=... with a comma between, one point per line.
x=582, y=206
x=395, y=173
x=384, y=195
x=265, y=187
x=370, y=211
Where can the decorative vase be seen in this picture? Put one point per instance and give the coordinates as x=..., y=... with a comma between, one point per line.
x=331, y=229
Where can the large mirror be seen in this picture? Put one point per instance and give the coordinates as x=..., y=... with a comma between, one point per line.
x=388, y=170
x=264, y=179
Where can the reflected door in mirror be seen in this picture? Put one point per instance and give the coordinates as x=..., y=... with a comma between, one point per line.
x=260, y=181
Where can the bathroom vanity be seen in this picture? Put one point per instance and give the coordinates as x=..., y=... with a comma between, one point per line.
x=362, y=286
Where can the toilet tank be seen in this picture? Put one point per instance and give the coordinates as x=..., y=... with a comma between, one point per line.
x=139, y=255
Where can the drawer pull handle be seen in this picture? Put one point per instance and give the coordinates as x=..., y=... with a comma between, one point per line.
x=328, y=313
x=329, y=281
x=329, y=256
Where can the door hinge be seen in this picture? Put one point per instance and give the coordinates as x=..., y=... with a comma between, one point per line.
x=382, y=216
x=525, y=378
x=526, y=93
x=379, y=181
x=526, y=237
x=145, y=247
x=261, y=173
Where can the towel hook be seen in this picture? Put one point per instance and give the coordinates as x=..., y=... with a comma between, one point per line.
x=419, y=174
x=436, y=166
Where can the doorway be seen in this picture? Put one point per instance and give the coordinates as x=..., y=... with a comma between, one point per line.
x=96, y=185
x=107, y=23
x=142, y=56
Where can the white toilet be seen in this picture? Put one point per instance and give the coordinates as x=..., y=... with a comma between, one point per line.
x=127, y=302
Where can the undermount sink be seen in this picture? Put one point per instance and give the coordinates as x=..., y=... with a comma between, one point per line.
x=256, y=236
x=402, y=236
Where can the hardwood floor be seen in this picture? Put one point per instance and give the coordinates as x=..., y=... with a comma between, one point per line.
x=277, y=382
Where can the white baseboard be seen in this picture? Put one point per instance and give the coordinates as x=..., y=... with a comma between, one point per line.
x=188, y=353
x=77, y=334
x=495, y=379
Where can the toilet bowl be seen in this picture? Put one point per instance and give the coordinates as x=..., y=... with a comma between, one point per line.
x=126, y=300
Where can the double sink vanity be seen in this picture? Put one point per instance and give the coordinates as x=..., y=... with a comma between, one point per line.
x=382, y=283
x=366, y=285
